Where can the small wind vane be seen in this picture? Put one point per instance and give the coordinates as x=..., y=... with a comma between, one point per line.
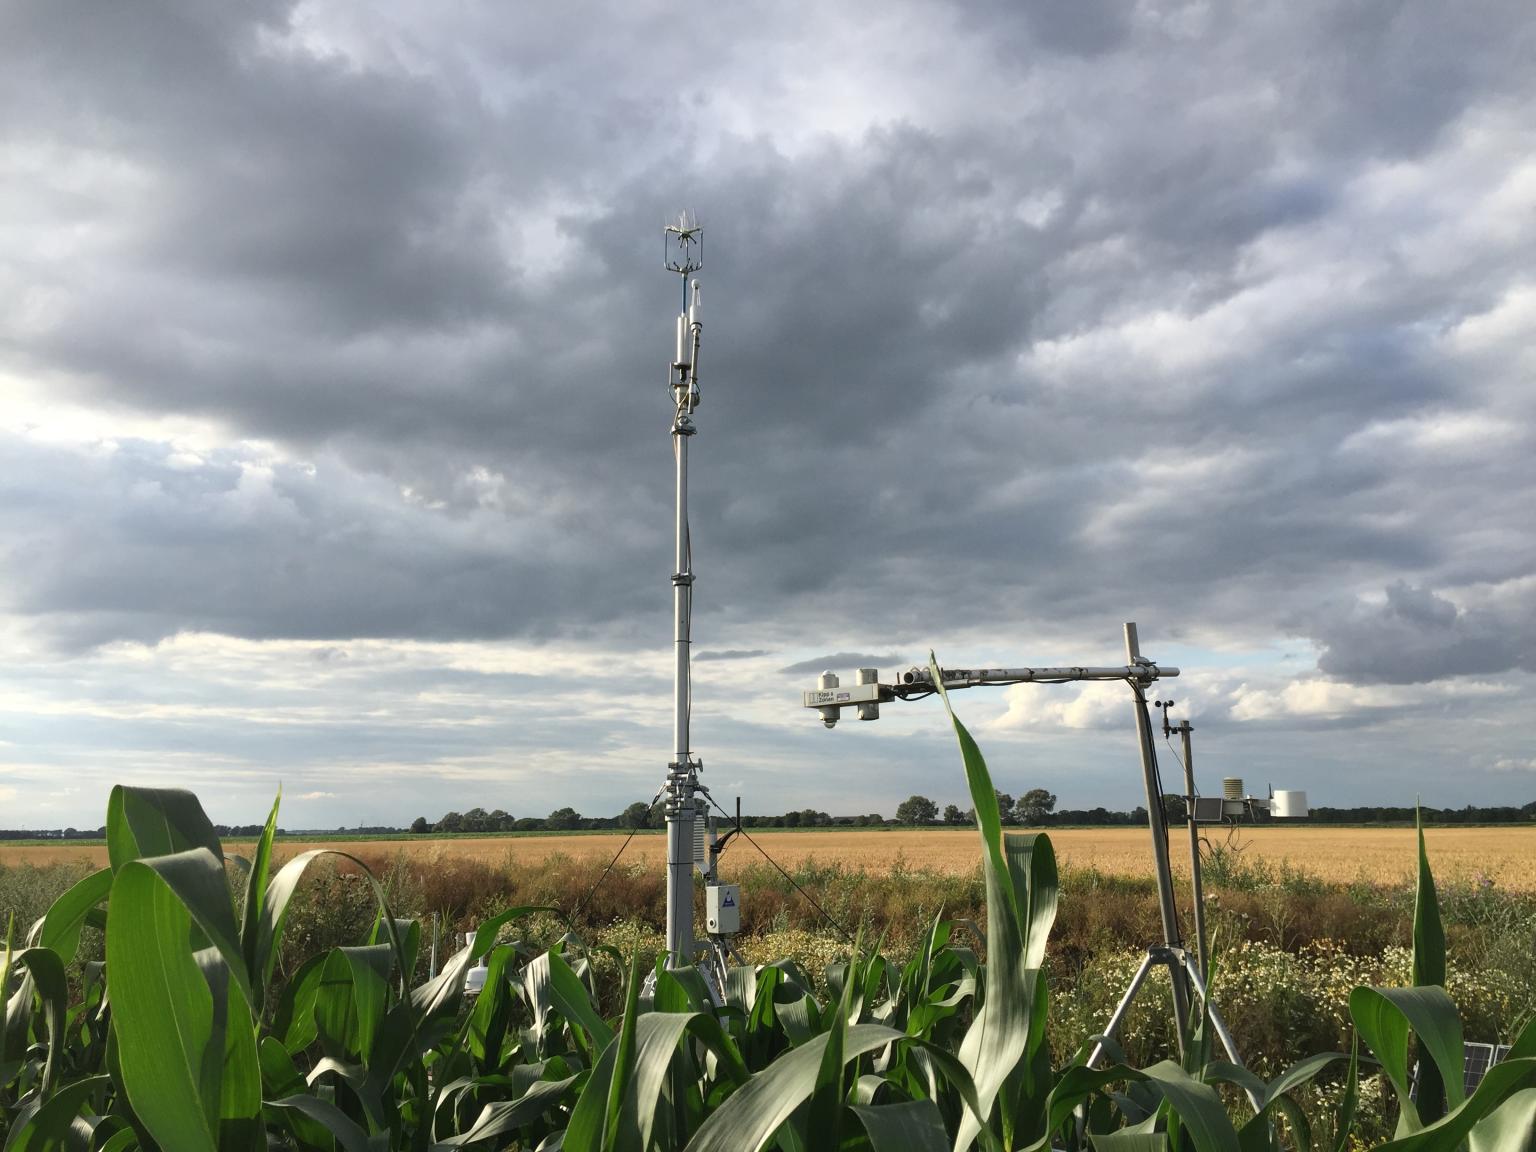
x=684, y=243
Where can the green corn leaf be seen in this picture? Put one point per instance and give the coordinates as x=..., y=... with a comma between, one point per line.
x=1198, y=1107
x=274, y=911
x=172, y=1065
x=370, y=966
x=569, y=996
x=333, y=1074
x=1502, y=1082
x=1435, y=1081
x=1385, y=1016
x=1511, y=1125
x=156, y=822
x=1032, y=870
x=196, y=877
x=1222, y=1072
x=1021, y=904
x=1075, y=1086
x=489, y=1017
x=123, y=1141
x=50, y=1126
x=1344, y=1119
x=824, y=1116
x=346, y=1131
x=503, y=1116
x=657, y=1036
x=408, y=932
x=869, y=1088
x=741, y=988
x=750, y=1117
x=1298, y=1120
x=680, y=989
x=336, y=1007
x=280, y=1076
x=1129, y=1142
x=1428, y=933
x=623, y=1061
x=584, y=1132
x=255, y=901
x=294, y=1020
x=1301, y=1072
x=801, y=1019
x=911, y=1126
x=46, y=980
x=60, y=928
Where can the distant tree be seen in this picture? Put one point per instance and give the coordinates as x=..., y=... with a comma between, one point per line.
x=1004, y=806
x=452, y=822
x=499, y=821
x=1174, y=810
x=563, y=820
x=477, y=820
x=917, y=810
x=637, y=815
x=810, y=818
x=1035, y=806
x=953, y=815
x=419, y=825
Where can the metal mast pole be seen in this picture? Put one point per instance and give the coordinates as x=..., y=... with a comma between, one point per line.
x=684, y=255
x=1157, y=823
x=1197, y=886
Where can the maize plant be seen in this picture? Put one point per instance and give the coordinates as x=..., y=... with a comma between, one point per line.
x=181, y=1043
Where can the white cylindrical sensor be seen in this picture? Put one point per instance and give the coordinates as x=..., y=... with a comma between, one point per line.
x=870, y=711
x=696, y=306
x=1291, y=805
x=1232, y=788
x=829, y=713
x=682, y=339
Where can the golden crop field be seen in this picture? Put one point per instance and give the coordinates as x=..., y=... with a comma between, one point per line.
x=1506, y=856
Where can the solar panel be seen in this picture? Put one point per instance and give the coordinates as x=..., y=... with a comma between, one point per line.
x=1208, y=809
x=1479, y=1058
x=1476, y=1058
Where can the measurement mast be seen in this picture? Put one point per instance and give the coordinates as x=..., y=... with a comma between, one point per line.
x=684, y=255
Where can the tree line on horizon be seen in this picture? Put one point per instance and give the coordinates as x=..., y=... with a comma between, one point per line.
x=1035, y=808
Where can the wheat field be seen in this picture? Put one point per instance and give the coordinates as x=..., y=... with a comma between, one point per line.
x=1505, y=856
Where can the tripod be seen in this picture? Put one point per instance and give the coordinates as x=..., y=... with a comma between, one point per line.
x=866, y=695
x=1171, y=953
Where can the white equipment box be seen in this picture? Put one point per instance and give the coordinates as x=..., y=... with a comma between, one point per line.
x=722, y=908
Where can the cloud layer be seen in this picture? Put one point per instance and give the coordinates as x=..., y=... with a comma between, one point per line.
x=337, y=323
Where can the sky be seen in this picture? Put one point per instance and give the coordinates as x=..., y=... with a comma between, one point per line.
x=334, y=435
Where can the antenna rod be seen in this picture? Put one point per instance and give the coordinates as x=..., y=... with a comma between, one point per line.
x=684, y=255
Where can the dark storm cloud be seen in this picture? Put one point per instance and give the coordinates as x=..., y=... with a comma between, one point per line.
x=1415, y=635
x=1106, y=338
x=134, y=543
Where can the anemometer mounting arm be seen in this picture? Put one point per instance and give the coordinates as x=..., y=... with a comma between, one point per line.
x=866, y=694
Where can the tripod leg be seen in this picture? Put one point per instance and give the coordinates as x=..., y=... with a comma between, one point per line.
x=1211, y=1010
x=1217, y=1023
x=1124, y=1006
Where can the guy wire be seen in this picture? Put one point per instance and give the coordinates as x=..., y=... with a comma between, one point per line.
x=809, y=899
x=582, y=903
